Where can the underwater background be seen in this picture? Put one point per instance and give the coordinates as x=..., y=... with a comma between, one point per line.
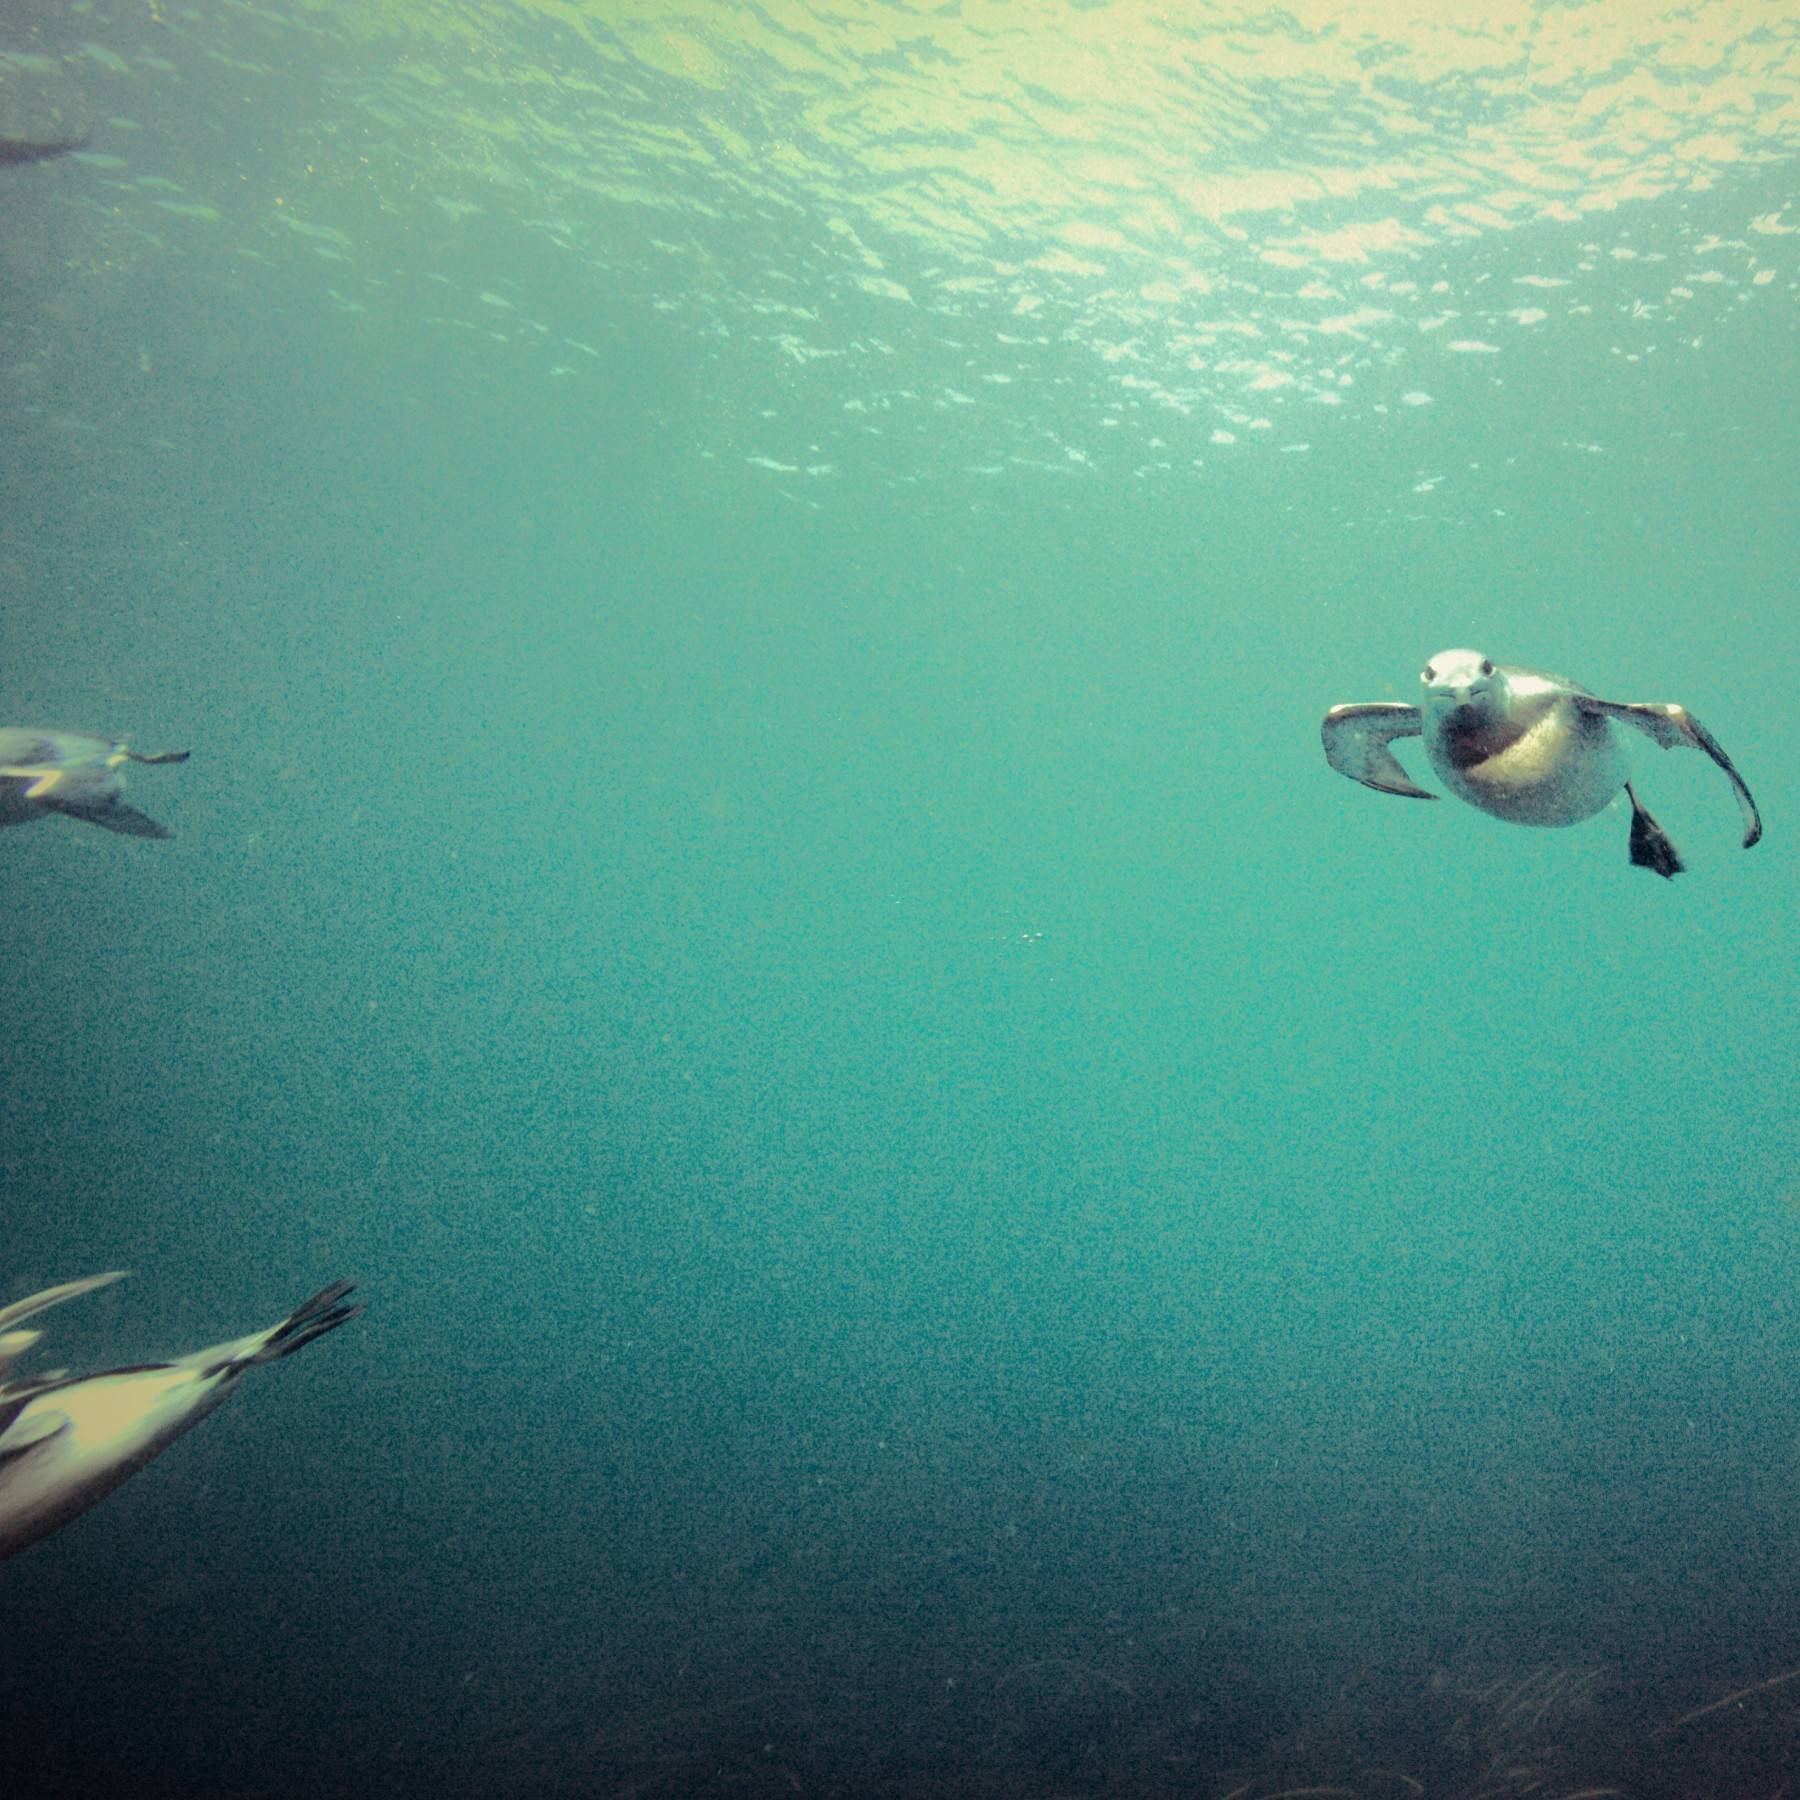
x=944, y=1208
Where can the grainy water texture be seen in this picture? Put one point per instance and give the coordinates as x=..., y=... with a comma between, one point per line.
x=945, y=1209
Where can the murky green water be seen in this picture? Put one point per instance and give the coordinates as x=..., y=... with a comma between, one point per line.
x=945, y=1209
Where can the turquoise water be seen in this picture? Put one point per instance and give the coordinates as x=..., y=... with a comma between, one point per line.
x=944, y=1208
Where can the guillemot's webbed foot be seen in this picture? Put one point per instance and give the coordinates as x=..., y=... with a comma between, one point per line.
x=324, y=1312
x=1651, y=846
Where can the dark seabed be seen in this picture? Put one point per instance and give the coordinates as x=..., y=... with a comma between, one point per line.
x=945, y=1209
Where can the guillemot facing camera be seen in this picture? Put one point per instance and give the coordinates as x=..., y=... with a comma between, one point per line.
x=43, y=772
x=1525, y=746
x=68, y=1441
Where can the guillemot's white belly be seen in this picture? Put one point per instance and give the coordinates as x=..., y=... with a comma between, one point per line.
x=1563, y=768
x=102, y=1430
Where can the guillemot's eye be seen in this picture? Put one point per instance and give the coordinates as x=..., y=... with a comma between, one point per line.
x=1487, y=668
x=1428, y=674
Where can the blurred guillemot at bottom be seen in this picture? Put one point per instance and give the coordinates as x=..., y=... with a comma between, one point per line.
x=66, y=1441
